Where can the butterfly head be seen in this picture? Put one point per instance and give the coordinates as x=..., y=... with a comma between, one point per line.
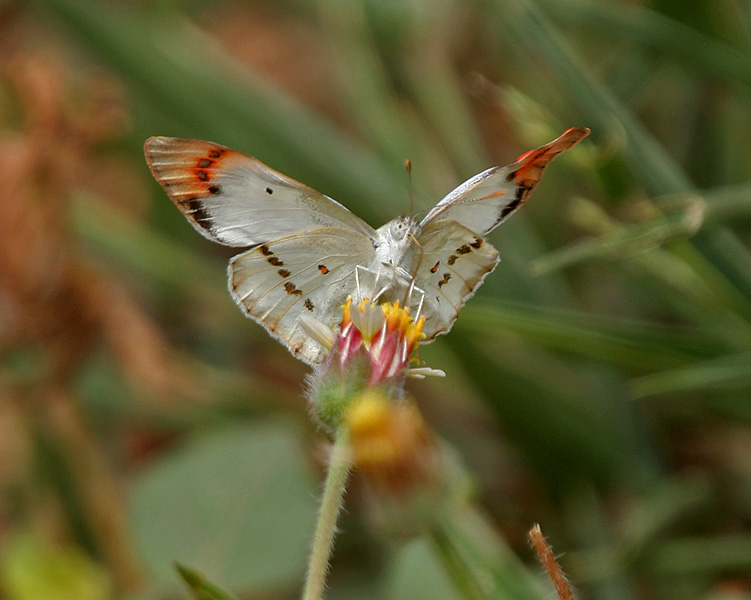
x=401, y=227
x=394, y=238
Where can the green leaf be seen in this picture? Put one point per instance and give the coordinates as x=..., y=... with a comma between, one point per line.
x=202, y=588
x=416, y=573
x=237, y=502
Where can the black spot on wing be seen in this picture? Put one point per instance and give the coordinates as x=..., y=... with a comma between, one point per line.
x=510, y=206
x=521, y=193
x=291, y=289
x=197, y=212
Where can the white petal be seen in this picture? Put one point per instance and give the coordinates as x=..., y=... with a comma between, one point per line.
x=423, y=372
x=318, y=331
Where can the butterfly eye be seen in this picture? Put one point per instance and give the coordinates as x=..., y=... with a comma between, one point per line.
x=398, y=229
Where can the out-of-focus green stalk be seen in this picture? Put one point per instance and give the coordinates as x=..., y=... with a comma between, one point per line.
x=647, y=521
x=456, y=567
x=689, y=556
x=625, y=343
x=731, y=372
x=572, y=419
x=371, y=97
x=674, y=557
x=731, y=205
x=697, y=290
x=435, y=84
x=619, y=239
x=117, y=237
x=489, y=568
x=650, y=29
x=529, y=29
x=523, y=24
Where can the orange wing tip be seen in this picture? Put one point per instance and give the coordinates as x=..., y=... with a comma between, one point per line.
x=568, y=139
x=531, y=164
x=187, y=169
x=574, y=135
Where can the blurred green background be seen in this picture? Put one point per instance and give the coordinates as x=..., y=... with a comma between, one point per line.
x=597, y=384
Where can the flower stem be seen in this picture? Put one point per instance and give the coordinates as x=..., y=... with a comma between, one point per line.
x=331, y=503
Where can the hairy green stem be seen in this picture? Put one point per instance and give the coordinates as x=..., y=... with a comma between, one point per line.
x=331, y=503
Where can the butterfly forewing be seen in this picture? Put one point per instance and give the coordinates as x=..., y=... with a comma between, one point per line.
x=488, y=199
x=235, y=199
x=309, y=273
x=454, y=263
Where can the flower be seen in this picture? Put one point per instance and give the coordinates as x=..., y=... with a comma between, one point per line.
x=385, y=333
x=411, y=480
x=374, y=348
x=391, y=443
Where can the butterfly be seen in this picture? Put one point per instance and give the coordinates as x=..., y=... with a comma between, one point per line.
x=307, y=253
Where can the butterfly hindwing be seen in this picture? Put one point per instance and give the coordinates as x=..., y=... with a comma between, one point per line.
x=237, y=200
x=491, y=197
x=309, y=273
x=455, y=261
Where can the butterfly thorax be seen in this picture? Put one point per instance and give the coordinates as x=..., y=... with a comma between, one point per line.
x=397, y=253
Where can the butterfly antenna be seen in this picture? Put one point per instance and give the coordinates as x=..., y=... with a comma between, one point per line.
x=408, y=166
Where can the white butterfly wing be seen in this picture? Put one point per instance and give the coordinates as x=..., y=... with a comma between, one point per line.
x=235, y=199
x=309, y=273
x=455, y=261
x=489, y=198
